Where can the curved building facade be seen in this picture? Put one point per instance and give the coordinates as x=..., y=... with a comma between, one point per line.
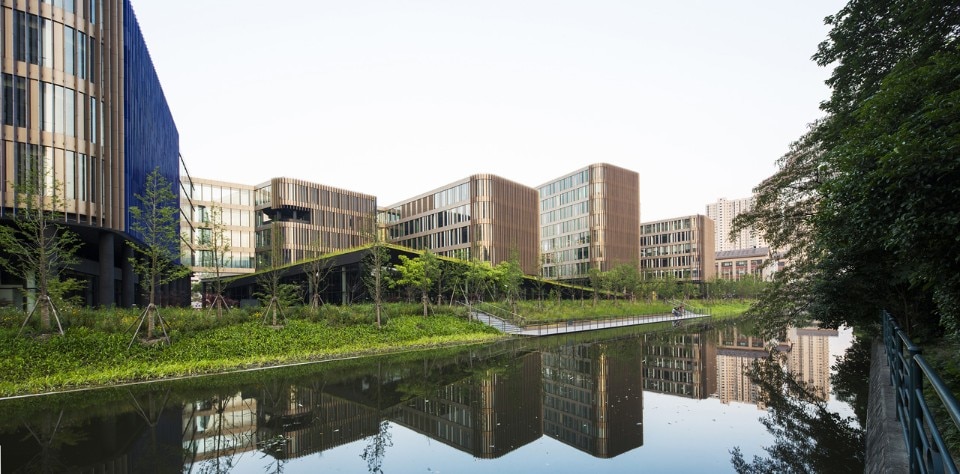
x=82, y=105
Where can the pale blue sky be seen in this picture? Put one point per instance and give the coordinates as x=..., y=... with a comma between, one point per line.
x=395, y=98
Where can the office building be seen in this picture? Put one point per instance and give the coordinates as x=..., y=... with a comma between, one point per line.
x=723, y=212
x=297, y=219
x=82, y=106
x=736, y=264
x=209, y=207
x=589, y=219
x=681, y=247
x=482, y=217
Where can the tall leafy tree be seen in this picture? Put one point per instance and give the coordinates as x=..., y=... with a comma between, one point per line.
x=865, y=201
x=376, y=276
x=36, y=243
x=156, y=220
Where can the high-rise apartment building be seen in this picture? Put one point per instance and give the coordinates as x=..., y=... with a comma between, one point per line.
x=723, y=212
x=483, y=217
x=297, y=219
x=82, y=106
x=681, y=247
x=589, y=219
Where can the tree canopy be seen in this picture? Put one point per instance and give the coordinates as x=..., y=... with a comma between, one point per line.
x=865, y=202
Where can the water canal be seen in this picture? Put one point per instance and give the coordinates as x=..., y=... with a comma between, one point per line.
x=622, y=400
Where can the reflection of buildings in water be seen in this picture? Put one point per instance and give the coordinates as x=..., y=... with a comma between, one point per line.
x=680, y=364
x=487, y=415
x=593, y=400
x=219, y=427
x=736, y=352
x=295, y=421
x=809, y=358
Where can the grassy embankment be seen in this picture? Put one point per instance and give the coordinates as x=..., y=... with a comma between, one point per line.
x=94, y=351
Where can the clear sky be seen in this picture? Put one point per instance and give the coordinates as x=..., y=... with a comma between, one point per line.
x=396, y=98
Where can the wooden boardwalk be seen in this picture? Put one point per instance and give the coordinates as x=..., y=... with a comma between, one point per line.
x=580, y=326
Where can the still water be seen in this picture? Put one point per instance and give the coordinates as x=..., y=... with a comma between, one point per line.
x=608, y=401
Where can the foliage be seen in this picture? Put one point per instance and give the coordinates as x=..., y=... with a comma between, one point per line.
x=376, y=276
x=202, y=343
x=36, y=243
x=154, y=223
x=508, y=275
x=864, y=203
x=808, y=436
x=214, y=240
x=418, y=273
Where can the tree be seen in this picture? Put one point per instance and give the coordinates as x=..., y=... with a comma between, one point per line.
x=318, y=269
x=375, y=274
x=36, y=244
x=510, y=278
x=865, y=201
x=274, y=293
x=155, y=223
x=596, y=282
x=418, y=273
x=214, y=244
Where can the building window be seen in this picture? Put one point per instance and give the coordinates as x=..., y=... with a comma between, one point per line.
x=14, y=100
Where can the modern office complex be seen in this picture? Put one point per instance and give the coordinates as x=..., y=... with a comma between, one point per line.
x=723, y=212
x=681, y=247
x=483, y=217
x=83, y=108
x=589, y=219
x=208, y=208
x=297, y=219
x=736, y=264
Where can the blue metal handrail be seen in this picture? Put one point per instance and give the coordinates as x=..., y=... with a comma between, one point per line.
x=908, y=370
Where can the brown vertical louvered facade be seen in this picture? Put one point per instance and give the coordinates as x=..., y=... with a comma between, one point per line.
x=589, y=219
x=483, y=217
x=300, y=219
x=682, y=247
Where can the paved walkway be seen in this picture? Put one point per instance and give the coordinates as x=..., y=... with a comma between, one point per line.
x=579, y=326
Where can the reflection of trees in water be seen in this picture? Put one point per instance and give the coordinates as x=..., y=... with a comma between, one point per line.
x=376, y=448
x=851, y=372
x=51, y=433
x=809, y=437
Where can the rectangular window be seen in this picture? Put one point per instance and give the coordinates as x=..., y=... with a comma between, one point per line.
x=26, y=164
x=47, y=47
x=69, y=112
x=83, y=193
x=70, y=175
x=46, y=106
x=58, y=109
x=81, y=42
x=14, y=100
x=69, y=36
x=94, y=4
x=93, y=120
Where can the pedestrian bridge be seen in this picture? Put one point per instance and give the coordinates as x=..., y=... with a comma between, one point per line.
x=571, y=326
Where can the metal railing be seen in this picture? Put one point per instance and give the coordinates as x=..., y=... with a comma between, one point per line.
x=509, y=322
x=908, y=370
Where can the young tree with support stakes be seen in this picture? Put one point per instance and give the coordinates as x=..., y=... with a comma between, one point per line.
x=36, y=244
x=375, y=274
x=318, y=270
x=214, y=242
x=156, y=219
x=274, y=292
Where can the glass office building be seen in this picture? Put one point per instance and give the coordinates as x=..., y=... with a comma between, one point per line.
x=82, y=106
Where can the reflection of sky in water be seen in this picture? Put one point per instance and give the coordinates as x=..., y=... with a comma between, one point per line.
x=680, y=435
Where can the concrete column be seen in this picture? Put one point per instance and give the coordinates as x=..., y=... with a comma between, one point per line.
x=106, y=298
x=129, y=279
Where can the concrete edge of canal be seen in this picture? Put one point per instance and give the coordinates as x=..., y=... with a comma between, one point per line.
x=886, y=451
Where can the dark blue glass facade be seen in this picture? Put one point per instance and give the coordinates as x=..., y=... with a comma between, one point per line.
x=151, y=139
